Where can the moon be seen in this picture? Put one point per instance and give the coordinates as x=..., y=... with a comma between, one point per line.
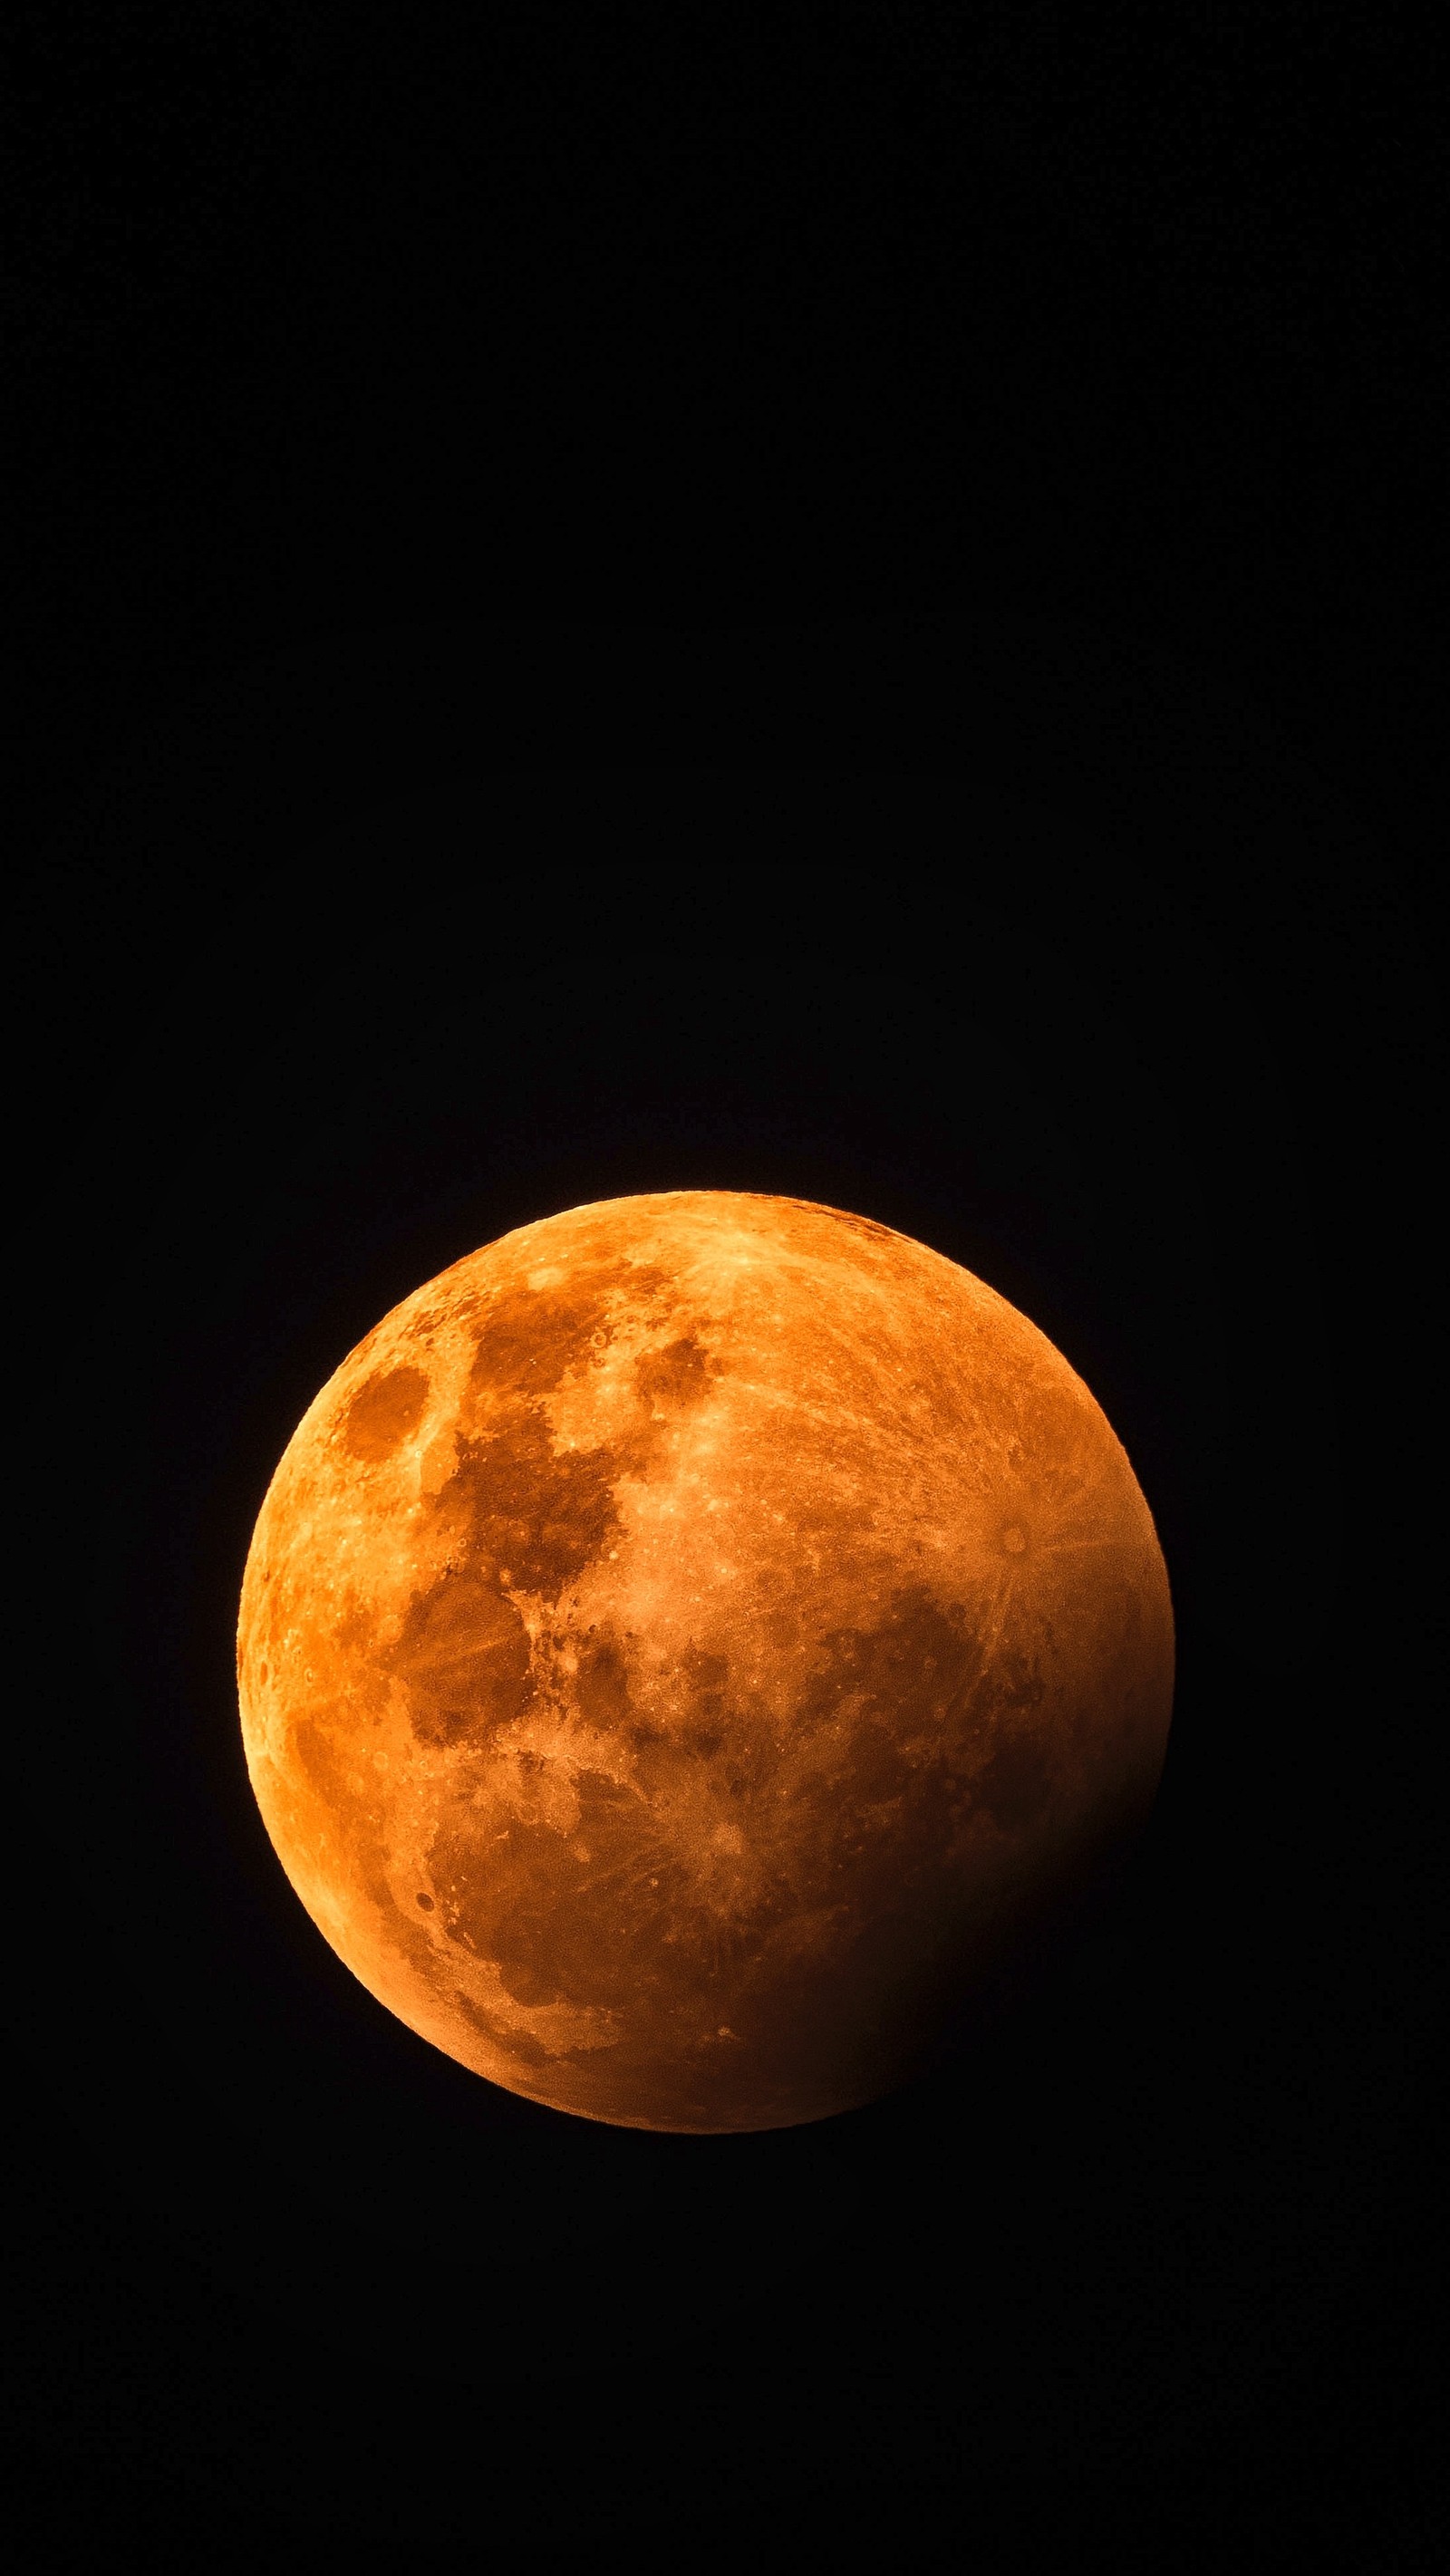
x=689, y=1645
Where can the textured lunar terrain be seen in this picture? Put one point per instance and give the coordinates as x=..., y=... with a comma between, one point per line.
x=686, y=1643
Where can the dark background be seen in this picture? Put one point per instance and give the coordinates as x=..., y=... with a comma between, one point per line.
x=841, y=602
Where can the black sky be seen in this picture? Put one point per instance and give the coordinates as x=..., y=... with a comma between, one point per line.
x=839, y=603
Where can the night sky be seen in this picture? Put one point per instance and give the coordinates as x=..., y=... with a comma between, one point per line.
x=833, y=606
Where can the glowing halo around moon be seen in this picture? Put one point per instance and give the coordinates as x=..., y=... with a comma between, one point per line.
x=684, y=1648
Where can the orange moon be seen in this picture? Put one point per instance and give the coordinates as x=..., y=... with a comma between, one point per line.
x=688, y=1645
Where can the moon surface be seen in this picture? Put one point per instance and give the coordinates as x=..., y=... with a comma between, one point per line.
x=688, y=1645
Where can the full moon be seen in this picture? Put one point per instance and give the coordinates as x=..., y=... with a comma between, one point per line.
x=689, y=1646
